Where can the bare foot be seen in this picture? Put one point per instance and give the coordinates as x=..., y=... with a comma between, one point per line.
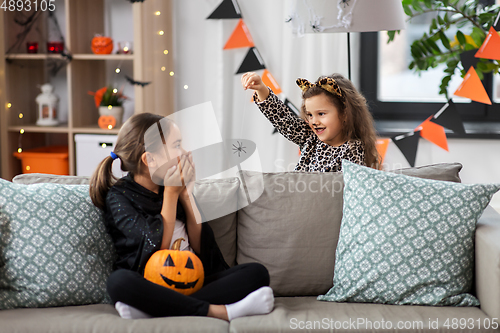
x=217, y=311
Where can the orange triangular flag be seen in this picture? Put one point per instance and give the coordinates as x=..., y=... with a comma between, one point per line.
x=382, y=145
x=433, y=133
x=473, y=88
x=269, y=81
x=491, y=46
x=240, y=37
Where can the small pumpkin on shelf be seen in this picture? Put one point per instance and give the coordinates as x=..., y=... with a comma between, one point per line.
x=181, y=271
x=102, y=44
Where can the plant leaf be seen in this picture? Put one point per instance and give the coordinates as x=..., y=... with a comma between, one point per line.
x=460, y=37
x=444, y=40
x=391, y=35
x=407, y=10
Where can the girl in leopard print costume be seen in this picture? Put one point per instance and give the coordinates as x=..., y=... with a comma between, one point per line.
x=335, y=123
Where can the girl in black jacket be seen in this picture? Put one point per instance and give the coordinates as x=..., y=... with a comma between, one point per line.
x=144, y=215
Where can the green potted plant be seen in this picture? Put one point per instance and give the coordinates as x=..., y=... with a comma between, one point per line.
x=459, y=26
x=109, y=101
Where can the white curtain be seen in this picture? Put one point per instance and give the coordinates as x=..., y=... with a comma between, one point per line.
x=208, y=71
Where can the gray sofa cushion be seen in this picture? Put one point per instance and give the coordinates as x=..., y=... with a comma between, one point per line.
x=440, y=171
x=99, y=318
x=300, y=314
x=217, y=199
x=35, y=178
x=293, y=227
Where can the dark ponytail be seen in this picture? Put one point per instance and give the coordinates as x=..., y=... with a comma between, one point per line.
x=129, y=149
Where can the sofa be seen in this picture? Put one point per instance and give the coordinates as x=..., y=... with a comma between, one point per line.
x=288, y=221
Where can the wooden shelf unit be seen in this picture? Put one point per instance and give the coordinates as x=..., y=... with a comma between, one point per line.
x=21, y=74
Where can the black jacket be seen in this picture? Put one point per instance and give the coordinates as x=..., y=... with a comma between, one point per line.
x=133, y=220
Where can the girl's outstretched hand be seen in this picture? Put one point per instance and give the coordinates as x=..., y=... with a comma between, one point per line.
x=253, y=81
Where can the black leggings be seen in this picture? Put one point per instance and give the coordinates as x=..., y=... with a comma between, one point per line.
x=226, y=287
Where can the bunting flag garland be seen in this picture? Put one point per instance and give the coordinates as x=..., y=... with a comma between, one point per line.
x=449, y=117
x=434, y=133
x=252, y=62
x=240, y=37
x=269, y=81
x=382, y=144
x=473, y=88
x=292, y=108
x=228, y=9
x=491, y=46
x=408, y=144
x=468, y=59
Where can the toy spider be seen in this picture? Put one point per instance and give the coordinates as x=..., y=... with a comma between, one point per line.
x=239, y=148
x=316, y=27
x=345, y=2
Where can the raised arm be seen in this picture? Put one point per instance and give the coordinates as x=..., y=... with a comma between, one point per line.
x=283, y=119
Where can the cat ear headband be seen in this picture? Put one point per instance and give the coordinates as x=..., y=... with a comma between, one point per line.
x=325, y=83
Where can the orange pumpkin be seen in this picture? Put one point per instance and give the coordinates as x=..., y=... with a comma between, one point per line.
x=106, y=122
x=102, y=45
x=181, y=271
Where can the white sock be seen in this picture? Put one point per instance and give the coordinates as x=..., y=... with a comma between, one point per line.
x=129, y=312
x=260, y=301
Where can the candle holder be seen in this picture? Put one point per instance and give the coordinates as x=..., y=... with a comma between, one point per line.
x=125, y=47
x=55, y=47
x=32, y=47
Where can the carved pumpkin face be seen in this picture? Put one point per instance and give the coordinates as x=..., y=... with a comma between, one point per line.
x=181, y=271
x=102, y=45
x=106, y=122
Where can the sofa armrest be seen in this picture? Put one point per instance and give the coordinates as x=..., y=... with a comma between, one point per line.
x=488, y=262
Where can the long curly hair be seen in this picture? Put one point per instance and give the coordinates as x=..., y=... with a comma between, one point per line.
x=358, y=121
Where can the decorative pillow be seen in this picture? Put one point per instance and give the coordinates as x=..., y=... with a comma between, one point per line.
x=217, y=201
x=54, y=248
x=297, y=213
x=406, y=240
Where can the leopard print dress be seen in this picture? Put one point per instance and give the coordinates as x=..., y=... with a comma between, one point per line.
x=315, y=154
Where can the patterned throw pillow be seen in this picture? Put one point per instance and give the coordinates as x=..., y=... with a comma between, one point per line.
x=54, y=248
x=406, y=240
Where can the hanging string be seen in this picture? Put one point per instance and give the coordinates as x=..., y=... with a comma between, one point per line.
x=344, y=17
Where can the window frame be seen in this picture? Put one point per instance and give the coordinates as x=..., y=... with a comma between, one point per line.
x=480, y=120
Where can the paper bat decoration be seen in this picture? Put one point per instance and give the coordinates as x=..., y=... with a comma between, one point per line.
x=131, y=81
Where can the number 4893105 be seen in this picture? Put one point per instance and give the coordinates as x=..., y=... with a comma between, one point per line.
x=28, y=5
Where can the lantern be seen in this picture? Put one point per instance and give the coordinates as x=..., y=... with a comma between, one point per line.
x=47, y=106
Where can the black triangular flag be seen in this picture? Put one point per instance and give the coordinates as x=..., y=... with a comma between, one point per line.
x=252, y=62
x=292, y=108
x=228, y=9
x=449, y=117
x=496, y=24
x=408, y=144
x=169, y=261
x=468, y=59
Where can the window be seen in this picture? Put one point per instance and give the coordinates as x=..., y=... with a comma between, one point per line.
x=400, y=100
